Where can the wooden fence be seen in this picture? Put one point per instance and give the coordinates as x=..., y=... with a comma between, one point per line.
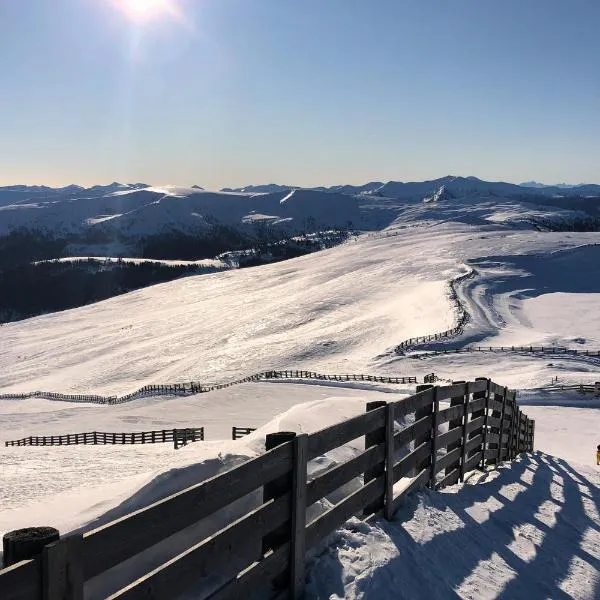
x=449, y=431
x=194, y=387
x=463, y=318
x=240, y=432
x=179, y=437
x=546, y=350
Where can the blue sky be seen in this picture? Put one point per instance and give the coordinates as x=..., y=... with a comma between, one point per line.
x=234, y=92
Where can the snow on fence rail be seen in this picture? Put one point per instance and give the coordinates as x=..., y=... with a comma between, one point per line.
x=180, y=437
x=179, y=389
x=482, y=424
x=463, y=318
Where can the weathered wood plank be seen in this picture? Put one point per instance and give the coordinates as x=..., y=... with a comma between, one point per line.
x=172, y=578
x=451, y=413
x=409, y=433
x=417, y=483
x=263, y=571
x=330, y=481
x=494, y=421
x=341, y=512
x=451, y=436
x=452, y=391
x=419, y=454
x=449, y=479
x=339, y=434
x=472, y=462
x=477, y=404
x=447, y=459
x=474, y=443
x=412, y=403
x=475, y=424
x=116, y=541
x=22, y=581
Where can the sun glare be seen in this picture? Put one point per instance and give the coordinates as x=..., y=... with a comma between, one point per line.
x=146, y=9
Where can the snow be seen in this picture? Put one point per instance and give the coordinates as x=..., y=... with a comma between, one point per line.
x=530, y=529
x=525, y=531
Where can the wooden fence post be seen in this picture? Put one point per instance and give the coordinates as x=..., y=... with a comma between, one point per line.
x=511, y=427
x=485, y=424
x=374, y=439
x=532, y=435
x=457, y=400
x=274, y=489
x=298, y=533
x=23, y=544
x=475, y=415
x=421, y=413
x=434, y=436
x=518, y=447
x=62, y=569
x=499, y=457
x=465, y=420
x=389, y=461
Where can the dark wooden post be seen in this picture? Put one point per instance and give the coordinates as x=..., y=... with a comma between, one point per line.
x=496, y=414
x=511, y=426
x=23, y=544
x=62, y=569
x=486, y=415
x=298, y=522
x=389, y=461
x=505, y=393
x=276, y=488
x=421, y=413
x=434, y=437
x=374, y=439
x=455, y=401
x=465, y=420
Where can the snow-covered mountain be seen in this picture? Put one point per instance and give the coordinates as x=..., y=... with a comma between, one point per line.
x=126, y=212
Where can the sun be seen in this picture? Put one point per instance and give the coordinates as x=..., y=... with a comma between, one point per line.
x=146, y=9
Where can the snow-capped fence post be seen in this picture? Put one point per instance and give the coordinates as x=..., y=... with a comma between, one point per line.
x=374, y=439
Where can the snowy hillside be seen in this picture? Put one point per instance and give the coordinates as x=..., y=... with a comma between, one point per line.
x=342, y=310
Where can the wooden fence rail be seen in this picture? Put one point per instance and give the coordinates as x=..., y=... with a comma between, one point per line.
x=454, y=429
x=179, y=437
x=194, y=387
x=240, y=432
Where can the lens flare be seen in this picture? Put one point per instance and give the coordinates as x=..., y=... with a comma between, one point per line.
x=139, y=10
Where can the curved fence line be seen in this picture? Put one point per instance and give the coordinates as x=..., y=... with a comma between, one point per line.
x=546, y=350
x=463, y=318
x=186, y=389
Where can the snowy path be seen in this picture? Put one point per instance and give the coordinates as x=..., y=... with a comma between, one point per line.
x=530, y=530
